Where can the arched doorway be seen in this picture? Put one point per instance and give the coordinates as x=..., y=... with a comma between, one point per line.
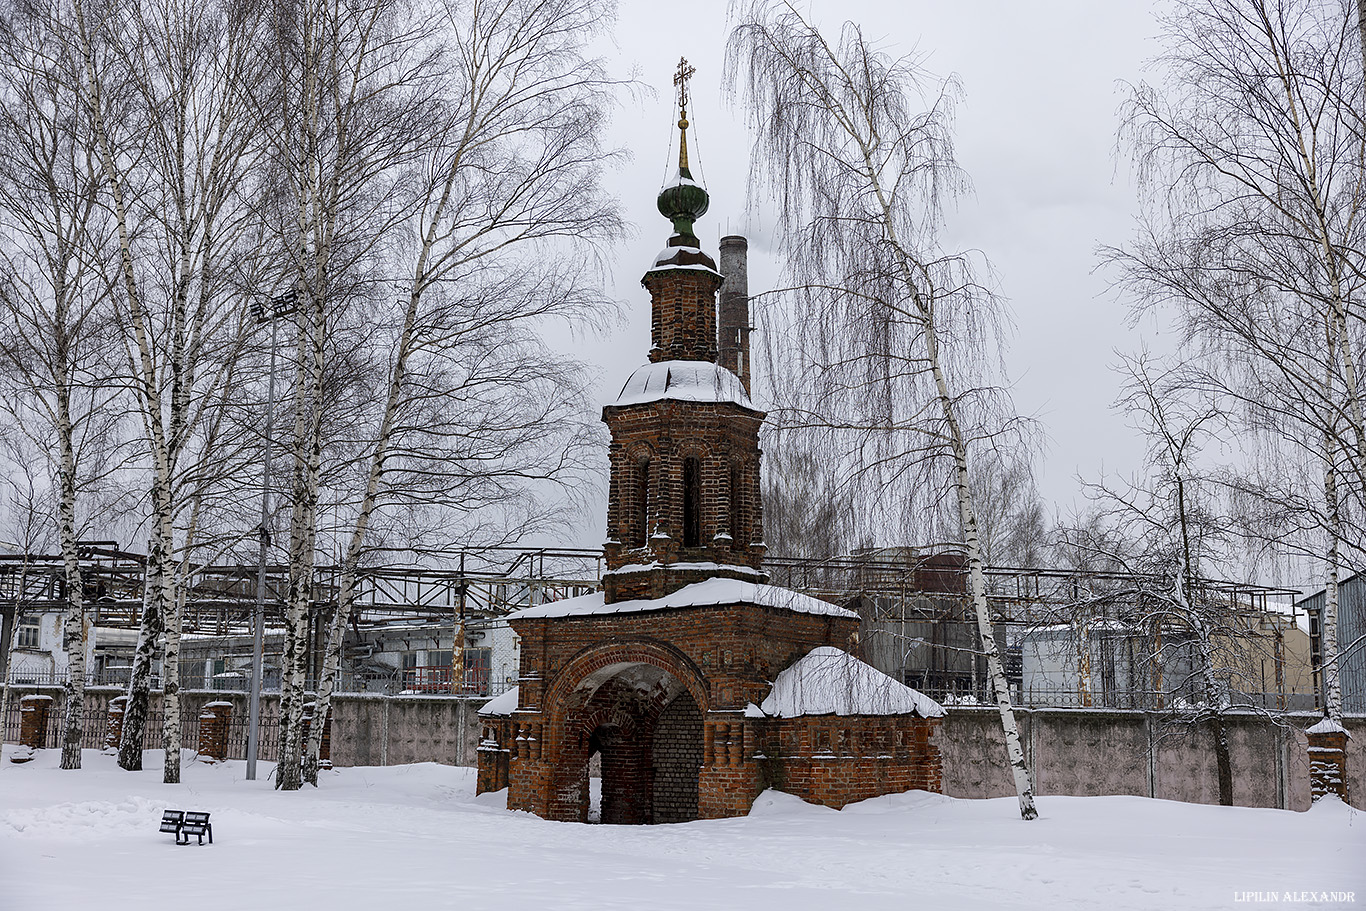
x=645, y=725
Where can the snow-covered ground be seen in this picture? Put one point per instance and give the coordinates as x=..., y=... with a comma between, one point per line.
x=416, y=837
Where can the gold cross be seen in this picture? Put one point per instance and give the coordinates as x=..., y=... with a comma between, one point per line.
x=681, y=78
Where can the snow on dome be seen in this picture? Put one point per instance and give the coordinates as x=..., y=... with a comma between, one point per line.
x=504, y=704
x=1327, y=726
x=683, y=381
x=829, y=681
x=699, y=594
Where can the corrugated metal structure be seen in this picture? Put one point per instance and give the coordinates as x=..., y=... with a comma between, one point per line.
x=1351, y=639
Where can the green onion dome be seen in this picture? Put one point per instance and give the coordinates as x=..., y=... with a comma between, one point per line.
x=683, y=202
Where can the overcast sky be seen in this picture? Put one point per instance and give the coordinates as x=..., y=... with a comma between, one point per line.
x=1036, y=133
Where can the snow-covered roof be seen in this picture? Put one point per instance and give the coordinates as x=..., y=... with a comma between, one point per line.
x=1290, y=608
x=683, y=256
x=699, y=594
x=683, y=381
x=829, y=681
x=702, y=566
x=1098, y=625
x=504, y=704
x=1327, y=726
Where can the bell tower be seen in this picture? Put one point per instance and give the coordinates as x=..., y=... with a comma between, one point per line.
x=684, y=502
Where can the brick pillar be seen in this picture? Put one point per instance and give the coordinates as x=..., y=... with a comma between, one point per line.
x=728, y=780
x=493, y=756
x=113, y=725
x=1327, y=759
x=324, y=748
x=214, y=721
x=33, y=712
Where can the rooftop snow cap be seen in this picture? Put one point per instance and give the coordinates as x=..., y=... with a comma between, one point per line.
x=710, y=592
x=1327, y=725
x=829, y=681
x=504, y=704
x=683, y=381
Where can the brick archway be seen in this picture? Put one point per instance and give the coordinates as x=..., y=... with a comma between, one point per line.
x=632, y=651
x=610, y=700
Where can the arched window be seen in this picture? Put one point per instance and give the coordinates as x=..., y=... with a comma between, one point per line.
x=692, y=502
x=640, y=505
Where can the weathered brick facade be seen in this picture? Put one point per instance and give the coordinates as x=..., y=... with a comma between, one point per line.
x=113, y=725
x=661, y=695
x=652, y=444
x=1327, y=760
x=664, y=689
x=33, y=715
x=215, y=720
x=836, y=760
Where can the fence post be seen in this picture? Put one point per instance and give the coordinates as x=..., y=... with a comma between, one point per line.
x=214, y=721
x=1327, y=760
x=33, y=713
x=113, y=725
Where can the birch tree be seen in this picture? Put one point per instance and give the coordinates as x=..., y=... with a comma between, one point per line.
x=1249, y=155
x=345, y=106
x=53, y=321
x=1164, y=533
x=859, y=170
x=167, y=84
x=29, y=527
x=478, y=418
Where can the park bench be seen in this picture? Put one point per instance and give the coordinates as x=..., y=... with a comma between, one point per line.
x=182, y=825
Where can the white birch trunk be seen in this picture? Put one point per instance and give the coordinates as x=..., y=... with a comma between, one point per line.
x=171, y=602
x=1328, y=625
x=350, y=565
x=148, y=393
x=1015, y=757
x=75, y=629
x=140, y=675
x=302, y=543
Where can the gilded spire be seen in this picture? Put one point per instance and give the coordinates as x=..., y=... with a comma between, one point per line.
x=683, y=201
x=685, y=72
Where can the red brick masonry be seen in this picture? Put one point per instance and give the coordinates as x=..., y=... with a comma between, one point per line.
x=661, y=696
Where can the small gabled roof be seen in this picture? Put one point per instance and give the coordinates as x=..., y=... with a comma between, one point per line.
x=829, y=681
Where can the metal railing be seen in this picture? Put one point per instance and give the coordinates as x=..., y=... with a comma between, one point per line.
x=1050, y=697
x=478, y=682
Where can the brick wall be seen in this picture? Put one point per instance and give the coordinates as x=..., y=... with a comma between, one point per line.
x=683, y=312
x=677, y=751
x=582, y=673
x=214, y=721
x=835, y=760
x=655, y=439
x=730, y=652
x=654, y=442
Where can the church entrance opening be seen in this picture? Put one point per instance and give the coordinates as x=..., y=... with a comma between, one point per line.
x=646, y=728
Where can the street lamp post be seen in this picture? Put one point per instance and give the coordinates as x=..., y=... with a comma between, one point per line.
x=277, y=306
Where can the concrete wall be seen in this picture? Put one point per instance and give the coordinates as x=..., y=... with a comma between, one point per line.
x=391, y=730
x=366, y=729
x=1079, y=752
x=1089, y=752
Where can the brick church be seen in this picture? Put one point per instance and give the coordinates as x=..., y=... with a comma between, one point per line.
x=695, y=683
